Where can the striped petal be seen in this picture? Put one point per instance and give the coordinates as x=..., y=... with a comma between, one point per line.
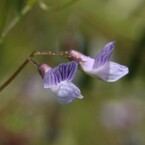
x=103, y=57
x=63, y=72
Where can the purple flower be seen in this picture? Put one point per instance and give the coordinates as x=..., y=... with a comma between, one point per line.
x=101, y=66
x=58, y=80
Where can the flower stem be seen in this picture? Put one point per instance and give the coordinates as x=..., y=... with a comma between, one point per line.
x=27, y=60
x=13, y=76
x=50, y=53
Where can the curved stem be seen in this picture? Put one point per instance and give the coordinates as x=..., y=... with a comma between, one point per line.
x=29, y=59
x=13, y=76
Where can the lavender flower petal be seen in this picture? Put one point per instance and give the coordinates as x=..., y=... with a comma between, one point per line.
x=63, y=72
x=103, y=57
x=66, y=92
x=110, y=72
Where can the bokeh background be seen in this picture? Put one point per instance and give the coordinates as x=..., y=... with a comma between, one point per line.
x=110, y=113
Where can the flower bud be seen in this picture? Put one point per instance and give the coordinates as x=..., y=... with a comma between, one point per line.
x=76, y=56
x=42, y=69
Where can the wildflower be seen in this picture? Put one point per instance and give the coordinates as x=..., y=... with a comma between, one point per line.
x=58, y=80
x=101, y=66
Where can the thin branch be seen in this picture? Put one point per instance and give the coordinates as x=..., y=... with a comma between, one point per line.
x=34, y=62
x=50, y=53
x=13, y=76
x=29, y=59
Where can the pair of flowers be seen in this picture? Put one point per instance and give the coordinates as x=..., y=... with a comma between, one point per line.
x=59, y=79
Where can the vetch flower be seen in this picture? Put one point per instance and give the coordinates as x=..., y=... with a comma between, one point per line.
x=101, y=66
x=58, y=80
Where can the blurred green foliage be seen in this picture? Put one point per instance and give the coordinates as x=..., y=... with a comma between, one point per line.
x=29, y=114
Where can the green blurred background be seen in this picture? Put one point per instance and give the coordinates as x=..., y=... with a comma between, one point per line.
x=110, y=113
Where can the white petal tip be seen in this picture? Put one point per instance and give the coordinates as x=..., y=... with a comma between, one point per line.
x=120, y=72
x=80, y=97
x=110, y=72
